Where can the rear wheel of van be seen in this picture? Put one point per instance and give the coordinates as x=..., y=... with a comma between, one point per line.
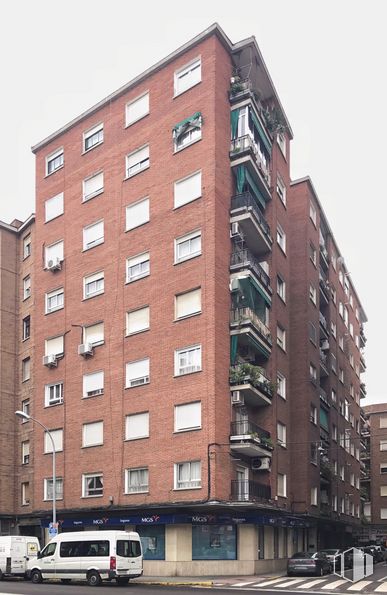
x=36, y=577
x=122, y=580
x=93, y=578
x=65, y=581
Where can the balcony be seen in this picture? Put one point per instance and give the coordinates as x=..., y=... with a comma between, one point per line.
x=245, y=323
x=254, y=388
x=246, y=490
x=325, y=509
x=256, y=231
x=324, y=397
x=362, y=364
x=324, y=364
x=363, y=392
x=323, y=324
x=324, y=290
x=324, y=258
x=248, y=439
x=244, y=259
x=362, y=337
x=245, y=151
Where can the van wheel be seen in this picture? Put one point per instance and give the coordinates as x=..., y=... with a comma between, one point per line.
x=65, y=581
x=122, y=580
x=93, y=578
x=1, y=576
x=36, y=577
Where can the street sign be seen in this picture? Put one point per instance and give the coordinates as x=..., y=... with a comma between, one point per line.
x=53, y=530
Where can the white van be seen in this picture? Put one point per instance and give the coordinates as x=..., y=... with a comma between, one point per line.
x=15, y=551
x=93, y=556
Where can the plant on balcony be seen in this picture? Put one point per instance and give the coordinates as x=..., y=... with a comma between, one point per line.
x=267, y=442
x=246, y=373
x=274, y=120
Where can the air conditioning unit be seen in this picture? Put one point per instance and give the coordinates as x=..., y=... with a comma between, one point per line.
x=261, y=464
x=235, y=230
x=50, y=360
x=237, y=398
x=85, y=349
x=325, y=345
x=54, y=264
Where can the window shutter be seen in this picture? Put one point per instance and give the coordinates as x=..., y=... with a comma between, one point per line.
x=93, y=382
x=138, y=156
x=54, y=346
x=188, y=189
x=57, y=436
x=93, y=185
x=95, y=333
x=137, y=214
x=54, y=251
x=93, y=433
x=92, y=234
x=187, y=416
x=138, y=320
x=131, y=262
x=137, y=109
x=137, y=426
x=54, y=207
x=188, y=303
x=137, y=370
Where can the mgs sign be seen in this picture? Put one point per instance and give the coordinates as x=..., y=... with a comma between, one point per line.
x=353, y=565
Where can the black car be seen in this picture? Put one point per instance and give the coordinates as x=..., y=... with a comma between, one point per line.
x=306, y=563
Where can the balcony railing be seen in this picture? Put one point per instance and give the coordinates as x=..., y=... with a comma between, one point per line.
x=249, y=374
x=323, y=322
x=246, y=427
x=246, y=201
x=246, y=315
x=244, y=258
x=323, y=395
x=246, y=490
x=247, y=143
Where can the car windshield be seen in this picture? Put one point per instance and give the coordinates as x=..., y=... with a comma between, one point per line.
x=301, y=555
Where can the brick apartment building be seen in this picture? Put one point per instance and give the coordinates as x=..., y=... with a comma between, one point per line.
x=175, y=362
x=374, y=473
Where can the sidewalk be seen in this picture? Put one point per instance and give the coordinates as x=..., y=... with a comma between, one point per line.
x=202, y=581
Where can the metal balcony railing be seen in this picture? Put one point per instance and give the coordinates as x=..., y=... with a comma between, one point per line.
x=241, y=374
x=247, y=427
x=246, y=201
x=246, y=490
x=245, y=258
x=323, y=321
x=247, y=143
x=243, y=315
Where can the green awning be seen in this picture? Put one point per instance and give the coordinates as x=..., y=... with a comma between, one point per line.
x=324, y=421
x=261, y=291
x=256, y=191
x=233, y=349
x=262, y=134
x=234, y=122
x=249, y=289
x=258, y=346
x=241, y=178
x=195, y=120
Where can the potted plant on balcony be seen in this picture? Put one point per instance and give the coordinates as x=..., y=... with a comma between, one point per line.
x=267, y=442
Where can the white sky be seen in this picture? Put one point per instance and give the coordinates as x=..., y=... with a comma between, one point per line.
x=327, y=60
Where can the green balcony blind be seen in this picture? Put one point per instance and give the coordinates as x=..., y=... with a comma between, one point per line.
x=324, y=420
x=195, y=120
x=234, y=122
x=262, y=134
x=255, y=190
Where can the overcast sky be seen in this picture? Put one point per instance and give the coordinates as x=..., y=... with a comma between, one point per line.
x=327, y=60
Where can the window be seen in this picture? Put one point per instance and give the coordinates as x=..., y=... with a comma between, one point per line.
x=313, y=496
x=281, y=337
x=351, y=360
x=26, y=327
x=25, y=408
x=54, y=161
x=187, y=189
x=137, y=321
x=281, y=485
x=333, y=329
x=53, y=394
x=92, y=485
x=137, y=161
x=137, y=373
x=341, y=343
x=281, y=288
x=136, y=481
x=25, y=448
x=383, y=490
x=188, y=475
x=188, y=360
x=54, y=300
x=313, y=294
x=346, y=316
x=281, y=142
x=341, y=375
x=49, y=489
x=313, y=213
x=351, y=329
x=188, y=416
x=218, y=542
x=383, y=513
x=187, y=76
x=188, y=246
x=281, y=434
x=137, y=426
x=93, y=384
x=313, y=453
x=383, y=468
x=25, y=493
x=334, y=295
x=94, y=334
x=93, y=137
x=93, y=235
x=137, y=267
x=312, y=333
x=313, y=254
x=92, y=186
x=54, y=207
x=137, y=109
x=334, y=503
x=383, y=444
x=57, y=436
x=334, y=432
x=313, y=414
x=281, y=385
x=333, y=363
x=188, y=303
x=53, y=254
x=342, y=472
x=281, y=238
x=383, y=421
x=27, y=246
x=93, y=285
x=54, y=346
x=137, y=214
x=26, y=287
x=26, y=369
x=92, y=434
x=334, y=395
x=352, y=479
x=313, y=372
x=281, y=189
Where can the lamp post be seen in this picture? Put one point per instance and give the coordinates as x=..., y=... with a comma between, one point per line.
x=28, y=418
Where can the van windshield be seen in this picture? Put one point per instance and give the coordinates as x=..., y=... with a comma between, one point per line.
x=128, y=549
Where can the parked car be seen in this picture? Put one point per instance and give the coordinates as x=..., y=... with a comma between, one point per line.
x=306, y=563
x=15, y=551
x=330, y=554
x=376, y=552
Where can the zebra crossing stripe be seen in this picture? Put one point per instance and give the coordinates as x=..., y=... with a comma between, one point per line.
x=289, y=583
x=312, y=583
x=359, y=586
x=237, y=584
x=382, y=588
x=335, y=584
x=272, y=582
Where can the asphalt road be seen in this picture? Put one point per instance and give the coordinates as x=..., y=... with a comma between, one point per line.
x=26, y=588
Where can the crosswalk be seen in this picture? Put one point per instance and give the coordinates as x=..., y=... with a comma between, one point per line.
x=328, y=584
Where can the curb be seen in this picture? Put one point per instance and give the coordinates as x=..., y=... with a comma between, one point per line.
x=176, y=583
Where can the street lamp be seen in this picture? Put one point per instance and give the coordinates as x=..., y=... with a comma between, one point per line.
x=28, y=418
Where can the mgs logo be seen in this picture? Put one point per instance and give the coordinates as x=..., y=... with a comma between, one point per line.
x=353, y=565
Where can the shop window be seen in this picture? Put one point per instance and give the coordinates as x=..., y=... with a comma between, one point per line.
x=214, y=542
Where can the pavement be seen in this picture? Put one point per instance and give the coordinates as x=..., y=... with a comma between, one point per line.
x=203, y=581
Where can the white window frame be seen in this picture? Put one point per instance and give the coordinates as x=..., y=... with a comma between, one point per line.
x=283, y=492
x=26, y=246
x=178, y=201
x=96, y=391
x=140, y=329
x=190, y=483
x=98, y=425
x=142, y=114
x=281, y=434
x=56, y=293
x=141, y=488
x=57, y=200
x=58, y=492
x=195, y=417
x=313, y=294
x=281, y=385
x=26, y=406
x=139, y=259
x=27, y=287
x=25, y=452
x=195, y=291
x=281, y=337
x=87, y=476
x=188, y=238
x=25, y=486
x=185, y=70
x=58, y=396
x=57, y=436
x=281, y=190
x=141, y=434
x=192, y=135
x=60, y=252
x=281, y=238
x=97, y=241
x=60, y=353
x=313, y=213
x=93, y=278
x=52, y=157
x=281, y=288
x=87, y=328
x=313, y=496
x=94, y=193
x=139, y=166
x=281, y=142
x=141, y=380
x=90, y=133
x=143, y=201
x=26, y=369
x=179, y=370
